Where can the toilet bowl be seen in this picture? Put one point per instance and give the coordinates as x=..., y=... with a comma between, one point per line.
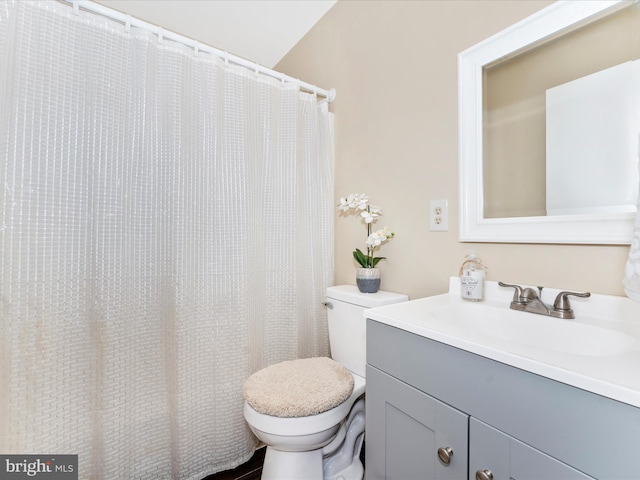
x=323, y=441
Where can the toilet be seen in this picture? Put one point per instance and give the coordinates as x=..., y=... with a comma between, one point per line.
x=310, y=413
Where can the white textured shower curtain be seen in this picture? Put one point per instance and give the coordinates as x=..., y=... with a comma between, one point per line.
x=166, y=227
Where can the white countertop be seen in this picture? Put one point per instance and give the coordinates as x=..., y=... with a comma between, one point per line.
x=598, y=351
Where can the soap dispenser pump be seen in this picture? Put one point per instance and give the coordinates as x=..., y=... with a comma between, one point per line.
x=472, y=273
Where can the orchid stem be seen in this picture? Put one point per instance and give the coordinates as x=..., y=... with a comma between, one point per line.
x=369, y=249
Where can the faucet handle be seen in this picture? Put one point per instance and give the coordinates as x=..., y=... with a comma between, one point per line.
x=517, y=294
x=529, y=294
x=562, y=301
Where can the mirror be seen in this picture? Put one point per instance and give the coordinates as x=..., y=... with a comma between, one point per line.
x=522, y=98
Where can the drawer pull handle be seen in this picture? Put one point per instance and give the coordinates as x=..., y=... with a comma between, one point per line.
x=484, y=475
x=445, y=454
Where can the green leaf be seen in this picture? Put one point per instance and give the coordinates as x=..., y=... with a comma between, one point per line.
x=375, y=261
x=360, y=257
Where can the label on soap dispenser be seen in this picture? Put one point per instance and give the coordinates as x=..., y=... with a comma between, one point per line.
x=471, y=284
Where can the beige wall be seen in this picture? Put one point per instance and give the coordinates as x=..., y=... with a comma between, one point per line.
x=394, y=65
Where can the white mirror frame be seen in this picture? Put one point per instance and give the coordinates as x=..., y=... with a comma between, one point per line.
x=580, y=229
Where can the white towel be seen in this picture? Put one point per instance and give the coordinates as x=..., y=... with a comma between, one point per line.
x=632, y=271
x=631, y=279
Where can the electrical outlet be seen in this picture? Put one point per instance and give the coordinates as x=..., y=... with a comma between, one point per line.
x=438, y=215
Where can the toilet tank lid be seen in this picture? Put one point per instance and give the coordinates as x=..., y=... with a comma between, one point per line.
x=351, y=294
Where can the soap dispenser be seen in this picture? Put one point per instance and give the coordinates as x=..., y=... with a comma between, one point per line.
x=472, y=273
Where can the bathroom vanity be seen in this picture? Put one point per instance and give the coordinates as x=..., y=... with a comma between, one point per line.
x=459, y=390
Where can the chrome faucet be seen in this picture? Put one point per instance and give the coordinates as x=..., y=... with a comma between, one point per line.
x=528, y=300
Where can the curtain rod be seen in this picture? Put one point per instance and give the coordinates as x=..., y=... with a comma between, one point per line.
x=129, y=21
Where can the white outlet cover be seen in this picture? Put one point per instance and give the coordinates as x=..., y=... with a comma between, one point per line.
x=439, y=223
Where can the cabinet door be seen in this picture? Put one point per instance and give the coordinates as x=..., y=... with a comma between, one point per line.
x=509, y=459
x=406, y=427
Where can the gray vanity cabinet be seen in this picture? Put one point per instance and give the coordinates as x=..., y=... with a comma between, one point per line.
x=424, y=395
x=411, y=431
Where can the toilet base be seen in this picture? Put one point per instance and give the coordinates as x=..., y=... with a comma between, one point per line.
x=279, y=465
x=338, y=460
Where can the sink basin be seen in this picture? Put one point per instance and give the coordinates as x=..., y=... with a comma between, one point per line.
x=535, y=331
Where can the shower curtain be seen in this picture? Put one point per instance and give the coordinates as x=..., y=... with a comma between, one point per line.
x=166, y=229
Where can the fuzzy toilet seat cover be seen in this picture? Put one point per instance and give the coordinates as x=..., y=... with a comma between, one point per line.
x=299, y=388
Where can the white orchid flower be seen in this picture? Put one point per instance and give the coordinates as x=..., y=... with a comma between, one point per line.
x=369, y=213
x=374, y=241
x=368, y=216
x=377, y=238
x=357, y=201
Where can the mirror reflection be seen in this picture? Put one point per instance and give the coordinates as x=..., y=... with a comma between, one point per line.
x=561, y=123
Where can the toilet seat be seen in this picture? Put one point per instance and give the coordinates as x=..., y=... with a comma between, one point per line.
x=298, y=388
x=306, y=425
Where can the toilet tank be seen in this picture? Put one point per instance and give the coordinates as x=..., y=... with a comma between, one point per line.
x=347, y=324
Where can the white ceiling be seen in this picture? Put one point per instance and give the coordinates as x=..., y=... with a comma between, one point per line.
x=262, y=31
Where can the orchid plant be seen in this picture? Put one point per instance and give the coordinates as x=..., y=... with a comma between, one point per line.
x=359, y=203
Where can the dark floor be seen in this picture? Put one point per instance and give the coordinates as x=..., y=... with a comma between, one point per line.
x=252, y=470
